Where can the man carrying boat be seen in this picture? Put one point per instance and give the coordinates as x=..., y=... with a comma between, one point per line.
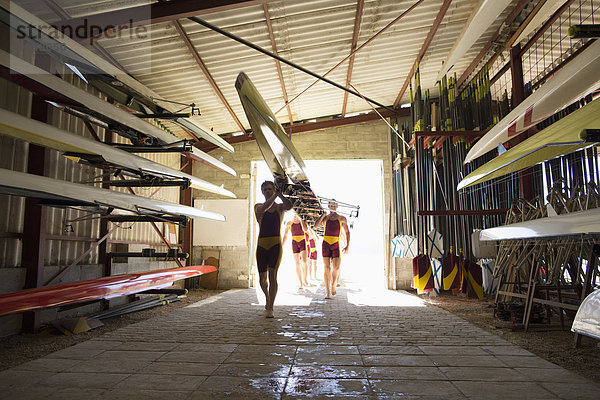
x=269, y=248
x=334, y=223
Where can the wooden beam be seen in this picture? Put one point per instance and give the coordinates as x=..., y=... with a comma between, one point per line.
x=277, y=63
x=35, y=216
x=206, y=72
x=314, y=126
x=428, y=39
x=357, y=19
x=359, y=48
x=187, y=200
x=501, y=72
x=103, y=249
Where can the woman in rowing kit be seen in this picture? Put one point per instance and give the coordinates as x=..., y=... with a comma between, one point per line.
x=298, y=227
x=269, y=248
x=311, y=252
x=334, y=223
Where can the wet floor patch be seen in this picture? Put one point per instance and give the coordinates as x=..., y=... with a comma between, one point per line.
x=328, y=387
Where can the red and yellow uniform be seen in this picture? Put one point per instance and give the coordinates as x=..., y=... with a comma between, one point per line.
x=311, y=247
x=298, y=241
x=268, y=249
x=331, y=240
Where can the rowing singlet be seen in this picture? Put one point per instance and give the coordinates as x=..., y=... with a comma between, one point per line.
x=332, y=230
x=331, y=241
x=298, y=242
x=268, y=249
x=297, y=231
x=311, y=247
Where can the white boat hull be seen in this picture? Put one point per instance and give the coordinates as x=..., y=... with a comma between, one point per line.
x=41, y=187
x=578, y=78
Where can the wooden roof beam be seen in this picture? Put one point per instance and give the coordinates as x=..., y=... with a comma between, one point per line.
x=206, y=72
x=436, y=24
x=357, y=20
x=314, y=126
x=359, y=48
x=277, y=63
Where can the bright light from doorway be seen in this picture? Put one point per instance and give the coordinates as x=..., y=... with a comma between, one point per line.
x=357, y=182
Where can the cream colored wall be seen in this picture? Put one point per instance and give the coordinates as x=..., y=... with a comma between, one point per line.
x=360, y=141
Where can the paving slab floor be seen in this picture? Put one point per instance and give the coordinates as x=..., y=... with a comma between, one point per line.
x=361, y=344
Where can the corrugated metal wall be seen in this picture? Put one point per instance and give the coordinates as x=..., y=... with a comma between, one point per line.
x=13, y=155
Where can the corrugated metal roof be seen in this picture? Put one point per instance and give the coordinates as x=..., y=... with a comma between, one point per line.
x=314, y=34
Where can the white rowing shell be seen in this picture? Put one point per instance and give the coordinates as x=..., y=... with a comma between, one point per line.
x=47, y=135
x=97, y=104
x=578, y=78
x=41, y=187
x=575, y=223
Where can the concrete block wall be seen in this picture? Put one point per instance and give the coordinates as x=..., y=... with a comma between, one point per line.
x=404, y=272
x=370, y=140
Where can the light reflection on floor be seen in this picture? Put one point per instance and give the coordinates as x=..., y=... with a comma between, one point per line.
x=382, y=298
x=354, y=289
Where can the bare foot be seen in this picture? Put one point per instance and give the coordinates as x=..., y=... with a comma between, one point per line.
x=269, y=314
x=327, y=296
x=333, y=290
x=339, y=284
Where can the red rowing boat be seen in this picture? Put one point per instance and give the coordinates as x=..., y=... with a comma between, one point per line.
x=101, y=288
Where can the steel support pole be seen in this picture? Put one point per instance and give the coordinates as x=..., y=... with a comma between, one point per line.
x=34, y=225
x=103, y=257
x=518, y=92
x=186, y=199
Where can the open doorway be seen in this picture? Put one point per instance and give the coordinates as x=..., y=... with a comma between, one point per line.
x=358, y=182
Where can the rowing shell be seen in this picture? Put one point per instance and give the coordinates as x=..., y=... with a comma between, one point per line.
x=80, y=148
x=98, y=71
x=101, y=109
x=107, y=287
x=277, y=149
x=575, y=80
x=575, y=223
x=562, y=137
x=477, y=24
x=67, y=193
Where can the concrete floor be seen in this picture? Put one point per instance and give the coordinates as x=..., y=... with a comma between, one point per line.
x=360, y=344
